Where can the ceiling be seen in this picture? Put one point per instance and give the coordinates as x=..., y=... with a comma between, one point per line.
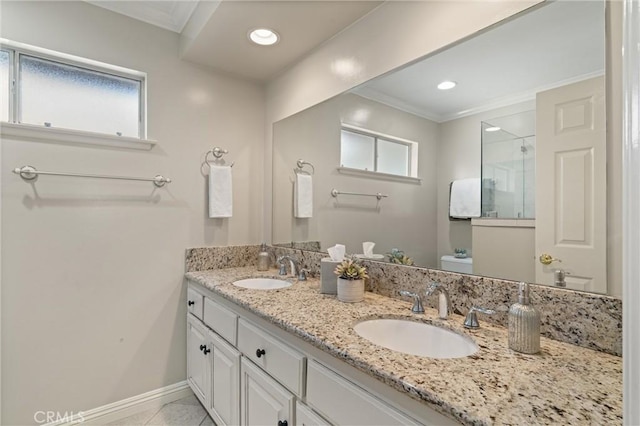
x=552, y=45
x=545, y=48
x=222, y=41
x=168, y=14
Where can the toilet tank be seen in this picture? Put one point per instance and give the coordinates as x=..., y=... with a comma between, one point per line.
x=454, y=264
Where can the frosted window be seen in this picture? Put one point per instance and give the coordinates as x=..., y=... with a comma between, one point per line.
x=65, y=96
x=393, y=158
x=357, y=151
x=4, y=85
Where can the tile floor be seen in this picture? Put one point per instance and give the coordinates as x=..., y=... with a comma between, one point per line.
x=183, y=412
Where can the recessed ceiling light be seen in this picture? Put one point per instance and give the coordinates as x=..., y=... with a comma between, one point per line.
x=446, y=85
x=492, y=129
x=264, y=36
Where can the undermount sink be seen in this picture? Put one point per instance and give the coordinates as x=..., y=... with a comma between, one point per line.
x=416, y=338
x=262, y=283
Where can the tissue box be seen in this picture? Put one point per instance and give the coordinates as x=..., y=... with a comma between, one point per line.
x=328, y=280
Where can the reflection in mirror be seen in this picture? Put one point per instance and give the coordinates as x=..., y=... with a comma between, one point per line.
x=366, y=150
x=530, y=77
x=508, y=166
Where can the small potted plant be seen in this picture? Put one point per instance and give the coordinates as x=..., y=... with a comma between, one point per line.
x=398, y=257
x=350, y=281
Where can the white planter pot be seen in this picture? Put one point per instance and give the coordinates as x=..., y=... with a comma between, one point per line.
x=350, y=290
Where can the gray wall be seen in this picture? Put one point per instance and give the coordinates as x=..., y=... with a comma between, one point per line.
x=406, y=219
x=504, y=252
x=92, y=271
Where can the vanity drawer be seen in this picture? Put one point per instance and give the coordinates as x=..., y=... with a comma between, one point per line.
x=283, y=363
x=307, y=417
x=344, y=403
x=221, y=320
x=194, y=302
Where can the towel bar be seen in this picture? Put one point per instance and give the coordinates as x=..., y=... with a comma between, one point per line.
x=335, y=193
x=29, y=173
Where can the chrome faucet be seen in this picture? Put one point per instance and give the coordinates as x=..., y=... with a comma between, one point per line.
x=295, y=270
x=444, y=302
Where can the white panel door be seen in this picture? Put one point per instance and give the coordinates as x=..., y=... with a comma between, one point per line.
x=198, y=371
x=263, y=401
x=571, y=197
x=225, y=397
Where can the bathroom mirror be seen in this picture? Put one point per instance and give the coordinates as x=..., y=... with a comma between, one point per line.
x=549, y=62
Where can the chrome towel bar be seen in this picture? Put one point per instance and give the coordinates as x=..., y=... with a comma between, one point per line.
x=30, y=174
x=335, y=193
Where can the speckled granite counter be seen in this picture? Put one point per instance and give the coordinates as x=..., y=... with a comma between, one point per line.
x=564, y=384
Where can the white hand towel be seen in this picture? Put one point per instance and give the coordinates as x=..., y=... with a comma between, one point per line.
x=303, y=196
x=465, y=198
x=220, y=191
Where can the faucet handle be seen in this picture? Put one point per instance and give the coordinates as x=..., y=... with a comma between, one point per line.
x=302, y=274
x=471, y=320
x=417, y=307
x=432, y=287
x=283, y=269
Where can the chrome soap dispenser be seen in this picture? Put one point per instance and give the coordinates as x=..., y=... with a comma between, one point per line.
x=524, y=324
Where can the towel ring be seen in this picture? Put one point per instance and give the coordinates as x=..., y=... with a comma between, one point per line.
x=301, y=163
x=217, y=152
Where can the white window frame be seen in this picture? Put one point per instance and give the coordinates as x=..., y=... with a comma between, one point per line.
x=18, y=130
x=412, y=166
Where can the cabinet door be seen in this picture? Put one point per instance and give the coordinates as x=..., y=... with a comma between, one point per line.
x=198, y=371
x=225, y=396
x=263, y=401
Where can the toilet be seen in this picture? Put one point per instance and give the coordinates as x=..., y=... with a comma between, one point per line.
x=455, y=264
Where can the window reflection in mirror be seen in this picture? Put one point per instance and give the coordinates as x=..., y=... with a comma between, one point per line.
x=363, y=149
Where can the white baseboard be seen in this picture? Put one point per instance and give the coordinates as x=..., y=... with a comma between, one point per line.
x=128, y=407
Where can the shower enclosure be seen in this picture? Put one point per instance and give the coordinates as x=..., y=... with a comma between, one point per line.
x=508, y=166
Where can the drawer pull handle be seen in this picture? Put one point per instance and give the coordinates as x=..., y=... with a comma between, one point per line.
x=282, y=423
x=206, y=350
x=259, y=353
x=202, y=347
x=191, y=303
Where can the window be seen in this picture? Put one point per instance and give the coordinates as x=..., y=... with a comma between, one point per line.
x=370, y=151
x=4, y=84
x=58, y=91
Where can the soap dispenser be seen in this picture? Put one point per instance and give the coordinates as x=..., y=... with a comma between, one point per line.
x=264, y=259
x=524, y=324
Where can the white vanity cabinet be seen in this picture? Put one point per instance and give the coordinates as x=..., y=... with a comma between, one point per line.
x=247, y=371
x=263, y=400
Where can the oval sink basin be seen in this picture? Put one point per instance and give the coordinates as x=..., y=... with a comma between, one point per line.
x=416, y=338
x=262, y=283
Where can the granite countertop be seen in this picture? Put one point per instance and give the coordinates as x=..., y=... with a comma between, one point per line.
x=563, y=384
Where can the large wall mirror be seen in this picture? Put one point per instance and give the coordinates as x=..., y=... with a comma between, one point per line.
x=508, y=167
